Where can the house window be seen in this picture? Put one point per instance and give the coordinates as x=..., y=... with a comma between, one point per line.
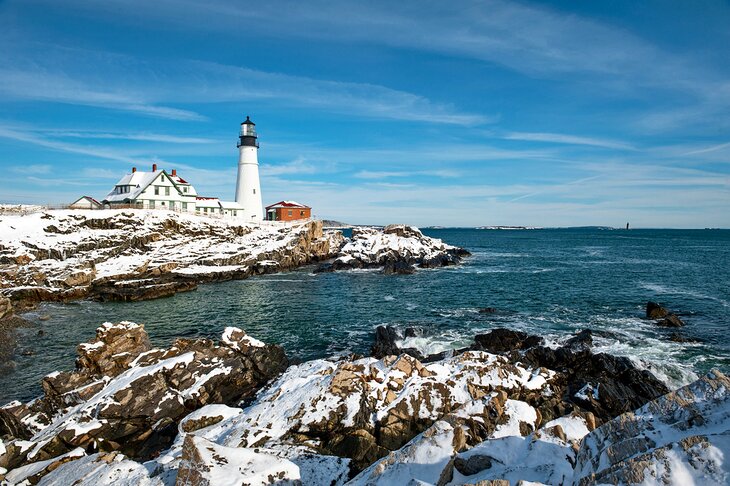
x=184, y=206
x=167, y=191
x=301, y=213
x=172, y=204
x=205, y=210
x=254, y=191
x=290, y=212
x=152, y=205
x=157, y=190
x=185, y=190
x=234, y=212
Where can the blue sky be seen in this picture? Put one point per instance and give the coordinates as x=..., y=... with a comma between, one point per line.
x=430, y=113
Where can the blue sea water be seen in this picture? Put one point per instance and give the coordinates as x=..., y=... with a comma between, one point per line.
x=550, y=282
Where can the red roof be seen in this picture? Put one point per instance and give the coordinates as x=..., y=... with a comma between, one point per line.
x=287, y=204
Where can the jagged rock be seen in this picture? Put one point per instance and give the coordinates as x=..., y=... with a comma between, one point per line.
x=101, y=469
x=603, y=384
x=365, y=408
x=675, y=439
x=401, y=267
x=205, y=463
x=662, y=316
x=397, y=249
x=137, y=255
x=670, y=321
x=386, y=344
x=138, y=395
x=6, y=307
x=655, y=311
x=487, y=310
x=503, y=340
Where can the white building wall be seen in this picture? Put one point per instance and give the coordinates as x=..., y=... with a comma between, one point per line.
x=248, y=187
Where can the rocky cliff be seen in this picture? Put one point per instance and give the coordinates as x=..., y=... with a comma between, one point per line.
x=205, y=413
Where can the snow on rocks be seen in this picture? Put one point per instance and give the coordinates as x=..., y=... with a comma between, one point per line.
x=396, y=248
x=680, y=438
x=101, y=469
x=205, y=463
x=63, y=255
x=132, y=401
x=365, y=408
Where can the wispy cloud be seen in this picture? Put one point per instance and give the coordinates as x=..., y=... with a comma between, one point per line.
x=72, y=76
x=143, y=137
x=32, y=169
x=706, y=150
x=560, y=138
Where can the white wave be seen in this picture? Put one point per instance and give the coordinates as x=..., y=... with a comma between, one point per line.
x=661, y=289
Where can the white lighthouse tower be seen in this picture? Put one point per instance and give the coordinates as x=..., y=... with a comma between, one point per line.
x=248, y=188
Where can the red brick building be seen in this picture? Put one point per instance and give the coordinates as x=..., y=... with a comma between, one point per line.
x=288, y=211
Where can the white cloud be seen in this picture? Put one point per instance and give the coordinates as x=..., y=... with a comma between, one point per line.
x=560, y=138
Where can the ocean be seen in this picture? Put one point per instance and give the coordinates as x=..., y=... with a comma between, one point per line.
x=551, y=282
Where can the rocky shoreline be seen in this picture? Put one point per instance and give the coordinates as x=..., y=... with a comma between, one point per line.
x=117, y=255
x=507, y=408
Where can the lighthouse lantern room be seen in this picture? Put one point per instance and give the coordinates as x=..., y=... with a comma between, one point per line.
x=248, y=187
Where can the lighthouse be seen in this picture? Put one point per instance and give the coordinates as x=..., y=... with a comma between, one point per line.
x=248, y=188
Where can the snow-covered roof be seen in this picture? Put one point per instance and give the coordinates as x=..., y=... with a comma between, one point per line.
x=178, y=180
x=88, y=198
x=230, y=205
x=138, y=180
x=207, y=202
x=287, y=204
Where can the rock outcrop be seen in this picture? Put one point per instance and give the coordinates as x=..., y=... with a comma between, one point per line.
x=397, y=249
x=662, y=316
x=125, y=396
x=471, y=418
x=596, y=383
x=136, y=255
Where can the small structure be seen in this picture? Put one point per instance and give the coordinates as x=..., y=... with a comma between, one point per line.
x=85, y=202
x=288, y=211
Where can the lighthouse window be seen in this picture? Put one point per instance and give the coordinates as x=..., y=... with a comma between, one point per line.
x=254, y=191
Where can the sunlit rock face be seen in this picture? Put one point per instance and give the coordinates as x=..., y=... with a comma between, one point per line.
x=396, y=249
x=125, y=396
x=144, y=254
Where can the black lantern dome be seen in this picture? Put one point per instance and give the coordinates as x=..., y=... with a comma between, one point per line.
x=248, y=135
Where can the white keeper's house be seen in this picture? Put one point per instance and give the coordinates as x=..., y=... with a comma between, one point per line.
x=159, y=189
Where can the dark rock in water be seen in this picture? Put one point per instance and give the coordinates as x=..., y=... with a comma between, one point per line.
x=583, y=341
x=671, y=321
x=655, y=311
x=385, y=344
x=619, y=384
x=663, y=316
x=488, y=310
x=400, y=267
x=503, y=340
x=679, y=338
x=133, y=291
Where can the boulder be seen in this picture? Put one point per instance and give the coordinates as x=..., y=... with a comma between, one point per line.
x=655, y=311
x=602, y=384
x=670, y=321
x=129, y=398
x=662, y=316
x=503, y=340
x=205, y=463
x=675, y=439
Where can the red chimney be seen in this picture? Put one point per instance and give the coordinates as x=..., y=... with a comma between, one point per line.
x=154, y=167
x=174, y=172
x=134, y=169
